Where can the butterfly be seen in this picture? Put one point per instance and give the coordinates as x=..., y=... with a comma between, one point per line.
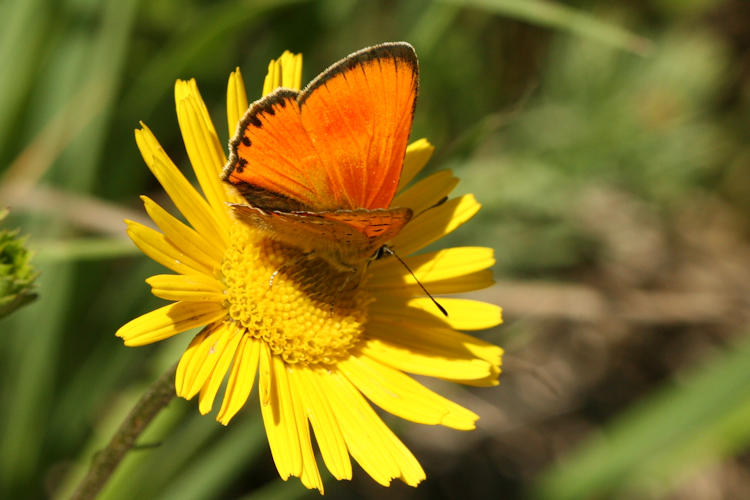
x=320, y=167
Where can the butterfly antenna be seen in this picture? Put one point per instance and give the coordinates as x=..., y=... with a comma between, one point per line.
x=389, y=251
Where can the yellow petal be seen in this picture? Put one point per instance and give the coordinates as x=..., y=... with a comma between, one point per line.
x=372, y=444
x=401, y=395
x=418, y=153
x=187, y=200
x=459, y=284
x=360, y=436
x=310, y=475
x=236, y=107
x=490, y=380
x=324, y=423
x=264, y=372
x=155, y=245
x=435, y=223
x=430, y=267
x=422, y=363
x=429, y=337
x=225, y=349
x=203, y=147
x=463, y=314
x=198, y=361
x=236, y=101
x=286, y=71
x=241, y=379
x=449, y=271
x=431, y=340
x=188, y=287
x=182, y=375
x=427, y=192
x=169, y=320
x=184, y=237
x=278, y=416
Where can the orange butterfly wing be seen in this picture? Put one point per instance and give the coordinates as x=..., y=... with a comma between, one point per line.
x=272, y=161
x=339, y=144
x=358, y=115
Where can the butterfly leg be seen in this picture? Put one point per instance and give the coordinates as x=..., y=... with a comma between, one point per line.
x=276, y=273
x=270, y=280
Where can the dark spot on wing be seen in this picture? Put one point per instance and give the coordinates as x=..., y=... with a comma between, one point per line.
x=255, y=121
x=241, y=164
x=246, y=140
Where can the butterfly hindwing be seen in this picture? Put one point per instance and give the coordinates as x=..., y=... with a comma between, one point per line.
x=344, y=238
x=377, y=225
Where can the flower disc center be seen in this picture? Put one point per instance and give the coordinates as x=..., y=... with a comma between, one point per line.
x=303, y=309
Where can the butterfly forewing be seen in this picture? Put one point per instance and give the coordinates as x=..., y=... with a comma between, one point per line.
x=272, y=159
x=358, y=115
x=340, y=143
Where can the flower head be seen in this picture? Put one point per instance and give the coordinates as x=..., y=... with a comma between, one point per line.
x=16, y=273
x=320, y=350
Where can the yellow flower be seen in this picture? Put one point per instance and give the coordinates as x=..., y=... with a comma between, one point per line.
x=319, y=354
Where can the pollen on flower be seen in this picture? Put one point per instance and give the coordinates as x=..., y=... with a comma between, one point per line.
x=305, y=311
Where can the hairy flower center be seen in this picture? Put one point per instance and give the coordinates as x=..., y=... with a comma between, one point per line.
x=303, y=309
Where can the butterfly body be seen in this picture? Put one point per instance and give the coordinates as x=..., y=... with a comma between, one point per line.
x=319, y=168
x=344, y=238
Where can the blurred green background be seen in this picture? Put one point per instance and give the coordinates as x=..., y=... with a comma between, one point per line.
x=608, y=142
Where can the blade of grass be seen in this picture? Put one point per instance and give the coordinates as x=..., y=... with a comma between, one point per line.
x=45, y=148
x=77, y=210
x=432, y=25
x=84, y=249
x=700, y=420
x=35, y=363
x=218, y=22
x=109, y=417
x=213, y=468
x=177, y=443
x=555, y=15
x=282, y=490
x=22, y=31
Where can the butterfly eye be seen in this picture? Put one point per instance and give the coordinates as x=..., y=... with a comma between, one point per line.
x=380, y=253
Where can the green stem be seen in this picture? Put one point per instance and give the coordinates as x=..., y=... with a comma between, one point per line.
x=106, y=461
